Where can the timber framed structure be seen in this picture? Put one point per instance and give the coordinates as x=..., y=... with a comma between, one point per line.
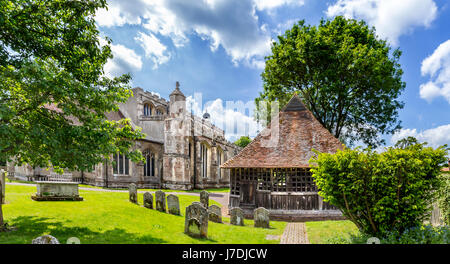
x=277, y=176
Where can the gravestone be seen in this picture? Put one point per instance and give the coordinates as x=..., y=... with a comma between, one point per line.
x=47, y=239
x=261, y=217
x=204, y=198
x=173, y=204
x=196, y=222
x=237, y=216
x=56, y=191
x=132, y=190
x=2, y=185
x=160, y=201
x=215, y=213
x=148, y=200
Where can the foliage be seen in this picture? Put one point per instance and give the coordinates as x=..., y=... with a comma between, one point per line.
x=343, y=73
x=416, y=235
x=243, y=141
x=406, y=142
x=380, y=192
x=109, y=218
x=54, y=95
x=443, y=200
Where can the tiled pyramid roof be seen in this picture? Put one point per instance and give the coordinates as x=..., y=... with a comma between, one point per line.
x=299, y=133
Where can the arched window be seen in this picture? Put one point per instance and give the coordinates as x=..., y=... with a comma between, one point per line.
x=121, y=165
x=150, y=163
x=204, y=159
x=147, y=110
x=159, y=112
x=220, y=159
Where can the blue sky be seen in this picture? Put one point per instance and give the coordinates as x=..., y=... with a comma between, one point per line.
x=217, y=48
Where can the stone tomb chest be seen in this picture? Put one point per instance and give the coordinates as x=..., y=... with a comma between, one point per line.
x=57, y=191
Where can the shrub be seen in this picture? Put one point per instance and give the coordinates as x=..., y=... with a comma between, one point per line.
x=444, y=197
x=415, y=235
x=380, y=192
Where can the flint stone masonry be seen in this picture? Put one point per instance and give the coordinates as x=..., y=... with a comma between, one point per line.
x=160, y=201
x=204, y=198
x=2, y=186
x=215, y=213
x=173, y=204
x=57, y=191
x=196, y=221
x=237, y=216
x=148, y=200
x=132, y=190
x=261, y=217
x=47, y=239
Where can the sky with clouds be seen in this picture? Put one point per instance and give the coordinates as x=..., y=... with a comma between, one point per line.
x=216, y=48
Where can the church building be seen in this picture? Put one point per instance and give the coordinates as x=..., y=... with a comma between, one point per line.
x=181, y=150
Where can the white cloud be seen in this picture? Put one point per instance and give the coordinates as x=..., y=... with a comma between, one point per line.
x=435, y=137
x=124, y=60
x=230, y=24
x=235, y=121
x=437, y=66
x=390, y=18
x=153, y=48
x=270, y=4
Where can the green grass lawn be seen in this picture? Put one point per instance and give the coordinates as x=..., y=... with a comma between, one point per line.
x=108, y=217
x=321, y=231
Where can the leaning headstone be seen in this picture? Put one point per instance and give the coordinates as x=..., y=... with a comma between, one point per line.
x=160, y=201
x=47, y=239
x=196, y=222
x=237, y=216
x=2, y=185
x=148, y=200
x=132, y=190
x=261, y=217
x=204, y=198
x=173, y=204
x=215, y=213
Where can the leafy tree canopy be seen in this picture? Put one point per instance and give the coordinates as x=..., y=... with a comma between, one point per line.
x=53, y=92
x=345, y=74
x=243, y=141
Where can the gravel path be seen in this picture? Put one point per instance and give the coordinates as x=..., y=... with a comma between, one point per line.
x=294, y=233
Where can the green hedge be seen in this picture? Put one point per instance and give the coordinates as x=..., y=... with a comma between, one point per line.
x=381, y=192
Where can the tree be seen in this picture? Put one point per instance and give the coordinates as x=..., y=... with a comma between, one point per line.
x=381, y=192
x=243, y=141
x=53, y=92
x=343, y=73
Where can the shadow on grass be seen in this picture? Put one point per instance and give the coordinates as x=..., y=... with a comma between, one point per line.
x=29, y=227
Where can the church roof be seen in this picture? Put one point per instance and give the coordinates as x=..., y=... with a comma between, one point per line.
x=299, y=132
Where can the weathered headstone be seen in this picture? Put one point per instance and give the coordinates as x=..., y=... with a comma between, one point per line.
x=204, y=198
x=2, y=185
x=237, y=216
x=160, y=201
x=261, y=217
x=148, y=200
x=173, y=204
x=132, y=190
x=56, y=191
x=196, y=222
x=46, y=239
x=215, y=213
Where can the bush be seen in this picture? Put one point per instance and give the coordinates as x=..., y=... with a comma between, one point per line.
x=415, y=235
x=444, y=197
x=380, y=192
